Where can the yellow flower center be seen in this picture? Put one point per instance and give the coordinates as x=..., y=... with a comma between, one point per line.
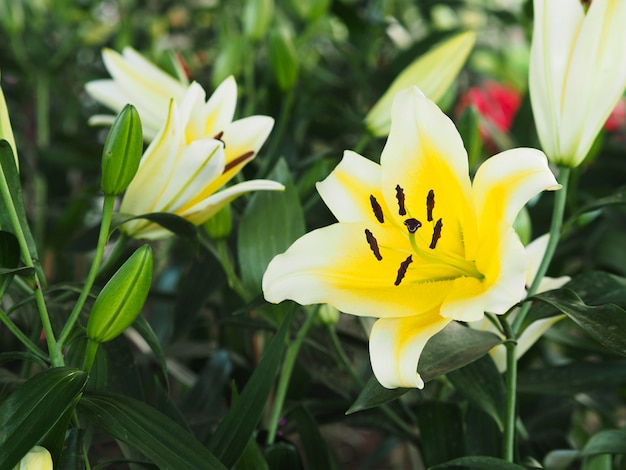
x=420, y=246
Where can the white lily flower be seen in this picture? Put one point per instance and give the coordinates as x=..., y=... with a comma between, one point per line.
x=577, y=73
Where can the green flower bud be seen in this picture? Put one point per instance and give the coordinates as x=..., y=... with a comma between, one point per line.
x=283, y=58
x=220, y=225
x=327, y=315
x=122, y=298
x=257, y=15
x=122, y=152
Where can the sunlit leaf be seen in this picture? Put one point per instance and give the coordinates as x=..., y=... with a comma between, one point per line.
x=272, y=221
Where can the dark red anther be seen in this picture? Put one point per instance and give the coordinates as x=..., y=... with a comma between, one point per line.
x=436, y=234
x=378, y=211
x=373, y=244
x=402, y=270
x=400, y=198
x=430, y=205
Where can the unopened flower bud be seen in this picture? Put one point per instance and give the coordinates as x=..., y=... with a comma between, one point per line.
x=122, y=152
x=122, y=298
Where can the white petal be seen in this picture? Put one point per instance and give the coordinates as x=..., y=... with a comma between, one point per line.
x=205, y=209
x=505, y=182
x=596, y=77
x=556, y=26
x=347, y=190
x=220, y=109
x=396, y=345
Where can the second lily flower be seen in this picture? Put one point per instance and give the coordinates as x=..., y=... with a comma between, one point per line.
x=417, y=244
x=197, y=150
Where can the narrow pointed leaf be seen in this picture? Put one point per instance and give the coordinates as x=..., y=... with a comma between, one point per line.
x=444, y=439
x=146, y=429
x=315, y=447
x=606, y=323
x=31, y=411
x=482, y=384
x=374, y=394
x=231, y=437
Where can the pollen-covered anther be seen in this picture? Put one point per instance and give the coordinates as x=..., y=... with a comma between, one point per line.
x=436, y=234
x=412, y=225
x=402, y=270
x=371, y=240
x=400, y=198
x=378, y=211
x=430, y=205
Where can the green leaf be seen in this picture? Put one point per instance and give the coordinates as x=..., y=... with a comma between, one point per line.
x=73, y=457
x=606, y=323
x=148, y=430
x=276, y=218
x=616, y=198
x=481, y=382
x=572, y=379
x=481, y=463
x=606, y=442
x=145, y=330
x=171, y=222
x=452, y=348
x=32, y=410
x=11, y=176
x=251, y=458
x=444, y=439
x=233, y=433
x=315, y=447
x=374, y=394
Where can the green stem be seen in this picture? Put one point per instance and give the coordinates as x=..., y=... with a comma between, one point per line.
x=512, y=331
x=386, y=409
x=54, y=350
x=90, y=355
x=511, y=392
x=555, y=233
x=107, y=213
x=13, y=328
x=285, y=376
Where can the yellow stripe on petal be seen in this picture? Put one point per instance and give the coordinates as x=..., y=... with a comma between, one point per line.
x=396, y=345
x=338, y=266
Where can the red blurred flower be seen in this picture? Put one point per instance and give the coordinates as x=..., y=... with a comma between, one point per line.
x=617, y=118
x=496, y=103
